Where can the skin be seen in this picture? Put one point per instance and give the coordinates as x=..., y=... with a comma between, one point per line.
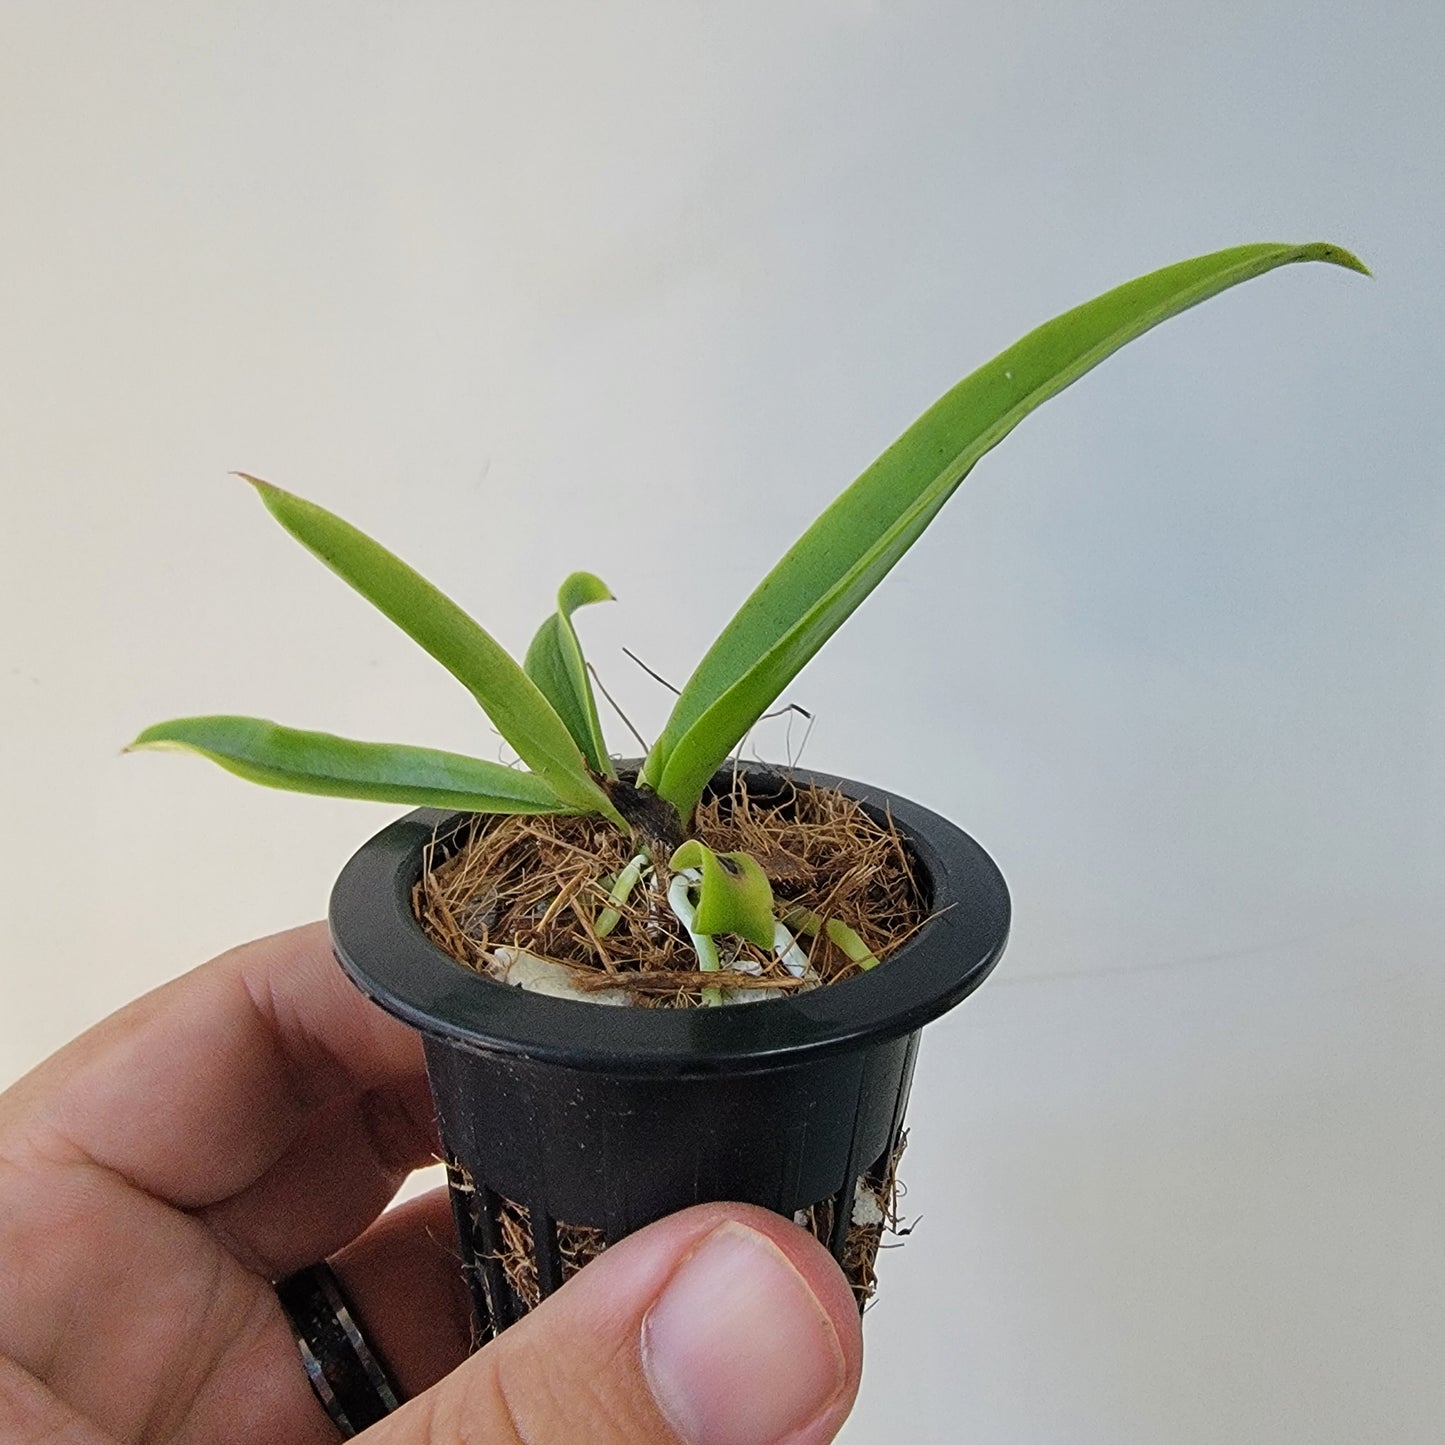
x=252, y=1117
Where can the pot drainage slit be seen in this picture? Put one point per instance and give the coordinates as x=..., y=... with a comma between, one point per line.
x=514, y=1255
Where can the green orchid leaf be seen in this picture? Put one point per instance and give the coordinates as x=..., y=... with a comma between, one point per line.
x=734, y=895
x=689, y=855
x=311, y=762
x=507, y=695
x=554, y=662
x=853, y=544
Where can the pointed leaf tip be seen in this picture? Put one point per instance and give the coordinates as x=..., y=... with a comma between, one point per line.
x=580, y=589
x=1336, y=256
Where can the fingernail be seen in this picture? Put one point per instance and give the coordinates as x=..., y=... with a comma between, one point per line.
x=737, y=1350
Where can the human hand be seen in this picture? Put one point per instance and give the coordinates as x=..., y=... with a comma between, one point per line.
x=254, y=1117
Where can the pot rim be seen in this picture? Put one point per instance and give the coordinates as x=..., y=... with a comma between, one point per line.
x=381, y=946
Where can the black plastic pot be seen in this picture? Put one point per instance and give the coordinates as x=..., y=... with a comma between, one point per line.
x=614, y=1117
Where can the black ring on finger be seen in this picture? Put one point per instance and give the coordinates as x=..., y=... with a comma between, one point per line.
x=350, y=1381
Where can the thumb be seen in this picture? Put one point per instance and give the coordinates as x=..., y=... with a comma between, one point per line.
x=722, y=1325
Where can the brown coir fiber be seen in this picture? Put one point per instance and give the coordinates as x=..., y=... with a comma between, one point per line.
x=538, y=884
x=577, y=1244
x=864, y=1240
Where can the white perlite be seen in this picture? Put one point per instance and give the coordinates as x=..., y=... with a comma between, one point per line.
x=866, y=1208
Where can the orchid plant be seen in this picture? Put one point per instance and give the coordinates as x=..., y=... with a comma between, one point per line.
x=545, y=708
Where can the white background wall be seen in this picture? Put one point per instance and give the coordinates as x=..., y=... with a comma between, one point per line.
x=637, y=288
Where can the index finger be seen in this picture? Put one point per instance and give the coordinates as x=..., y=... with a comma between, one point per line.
x=262, y=1073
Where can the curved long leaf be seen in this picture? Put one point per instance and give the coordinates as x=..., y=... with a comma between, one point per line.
x=311, y=762
x=554, y=662
x=508, y=696
x=854, y=543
